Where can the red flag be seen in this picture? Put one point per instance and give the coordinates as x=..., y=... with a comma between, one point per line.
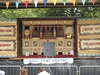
x=74, y=1
x=26, y=4
x=93, y=1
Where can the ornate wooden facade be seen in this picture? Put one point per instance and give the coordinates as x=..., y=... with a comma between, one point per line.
x=37, y=31
x=27, y=35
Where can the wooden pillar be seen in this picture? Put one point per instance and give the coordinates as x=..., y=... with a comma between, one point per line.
x=38, y=28
x=23, y=34
x=45, y=28
x=54, y=32
x=41, y=32
x=31, y=32
x=62, y=29
x=50, y=28
x=57, y=30
x=23, y=72
x=41, y=28
x=33, y=28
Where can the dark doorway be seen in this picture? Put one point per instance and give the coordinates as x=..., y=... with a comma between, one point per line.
x=60, y=53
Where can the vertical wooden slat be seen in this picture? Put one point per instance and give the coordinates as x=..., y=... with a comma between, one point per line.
x=50, y=28
x=54, y=32
x=45, y=28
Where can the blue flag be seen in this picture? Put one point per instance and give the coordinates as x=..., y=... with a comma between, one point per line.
x=45, y=2
x=17, y=4
x=83, y=1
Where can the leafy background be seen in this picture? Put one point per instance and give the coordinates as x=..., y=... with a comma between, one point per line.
x=82, y=12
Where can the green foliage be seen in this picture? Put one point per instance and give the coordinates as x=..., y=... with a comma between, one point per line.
x=50, y=12
x=18, y=13
x=90, y=12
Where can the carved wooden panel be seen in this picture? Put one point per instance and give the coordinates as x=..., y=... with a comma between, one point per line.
x=7, y=45
x=60, y=50
x=89, y=29
x=69, y=43
x=89, y=44
x=7, y=31
x=60, y=43
x=42, y=42
x=36, y=50
x=26, y=43
x=36, y=43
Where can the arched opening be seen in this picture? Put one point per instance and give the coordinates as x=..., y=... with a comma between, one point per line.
x=42, y=53
x=60, y=53
x=35, y=53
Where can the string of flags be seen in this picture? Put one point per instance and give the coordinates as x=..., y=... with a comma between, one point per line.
x=35, y=2
x=83, y=1
x=17, y=4
x=93, y=1
x=54, y=1
x=64, y=1
x=45, y=3
x=7, y=4
x=74, y=1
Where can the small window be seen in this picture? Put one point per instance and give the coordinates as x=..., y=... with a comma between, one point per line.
x=60, y=53
x=59, y=28
x=35, y=28
x=42, y=53
x=26, y=27
x=52, y=29
x=47, y=28
x=43, y=29
x=35, y=53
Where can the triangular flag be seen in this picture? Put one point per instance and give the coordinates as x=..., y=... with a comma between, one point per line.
x=74, y=1
x=36, y=2
x=64, y=1
x=93, y=1
x=45, y=2
x=83, y=1
x=17, y=4
x=55, y=1
x=26, y=4
x=7, y=4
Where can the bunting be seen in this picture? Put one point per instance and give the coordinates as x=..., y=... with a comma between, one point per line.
x=26, y=3
x=74, y=1
x=83, y=1
x=7, y=4
x=93, y=1
x=45, y=2
x=55, y=1
x=17, y=4
x=35, y=2
x=64, y=1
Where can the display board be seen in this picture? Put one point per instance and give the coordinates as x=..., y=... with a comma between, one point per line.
x=89, y=37
x=8, y=39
